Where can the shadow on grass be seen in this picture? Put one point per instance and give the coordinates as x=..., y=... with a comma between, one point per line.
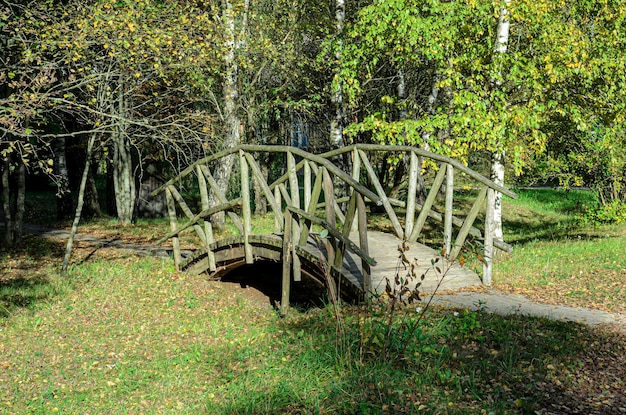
x=25, y=274
x=468, y=362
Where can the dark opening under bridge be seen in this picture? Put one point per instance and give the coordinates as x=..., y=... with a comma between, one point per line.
x=345, y=254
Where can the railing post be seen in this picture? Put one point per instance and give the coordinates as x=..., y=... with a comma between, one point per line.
x=356, y=175
x=171, y=211
x=278, y=224
x=208, y=228
x=245, y=208
x=295, y=201
x=286, y=283
x=447, y=221
x=489, y=214
x=307, y=184
x=362, y=222
x=410, y=199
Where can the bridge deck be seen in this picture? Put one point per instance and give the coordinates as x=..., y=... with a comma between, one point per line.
x=229, y=255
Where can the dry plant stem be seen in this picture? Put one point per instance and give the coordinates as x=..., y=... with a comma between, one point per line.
x=427, y=306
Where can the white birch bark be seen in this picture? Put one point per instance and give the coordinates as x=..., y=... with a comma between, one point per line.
x=498, y=157
x=232, y=122
x=336, y=122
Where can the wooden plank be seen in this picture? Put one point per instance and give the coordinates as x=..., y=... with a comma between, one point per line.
x=286, y=283
x=363, y=243
x=171, y=211
x=323, y=160
x=295, y=202
x=205, y=213
x=307, y=184
x=278, y=225
x=447, y=222
x=334, y=232
x=245, y=208
x=183, y=206
x=208, y=227
x=411, y=195
x=381, y=192
x=356, y=175
x=221, y=198
x=329, y=210
x=467, y=224
x=256, y=171
x=311, y=207
x=489, y=218
x=346, y=228
x=428, y=203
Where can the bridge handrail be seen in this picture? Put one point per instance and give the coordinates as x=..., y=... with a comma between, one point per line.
x=323, y=160
x=287, y=188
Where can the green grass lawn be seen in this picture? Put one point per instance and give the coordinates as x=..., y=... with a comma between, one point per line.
x=557, y=256
x=125, y=335
x=121, y=334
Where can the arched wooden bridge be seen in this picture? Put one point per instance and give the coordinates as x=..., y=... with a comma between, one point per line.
x=345, y=253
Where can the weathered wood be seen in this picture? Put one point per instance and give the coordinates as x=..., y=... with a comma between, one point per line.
x=412, y=194
x=246, y=208
x=447, y=222
x=385, y=201
x=295, y=202
x=311, y=207
x=487, y=260
x=204, y=214
x=428, y=203
x=269, y=196
x=346, y=228
x=307, y=184
x=329, y=210
x=171, y=211
x=208, y=228
x=467, y=224
x=426, y=154
x=278, y=225
x=277, y=149
x=220, y=197
x=334, y=232
x=187, y=211
x=356, y=175
x=286, y=283
x=364, y=244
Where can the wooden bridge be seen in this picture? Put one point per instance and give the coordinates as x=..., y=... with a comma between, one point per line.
x=321, y=227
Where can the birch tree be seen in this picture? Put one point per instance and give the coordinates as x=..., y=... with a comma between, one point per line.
x=498, y=155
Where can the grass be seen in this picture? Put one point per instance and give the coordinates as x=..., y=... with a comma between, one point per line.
x=137, y=337
x=558, y=258
x=121, y=334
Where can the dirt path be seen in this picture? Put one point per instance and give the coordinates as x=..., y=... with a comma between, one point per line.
x=506, y=304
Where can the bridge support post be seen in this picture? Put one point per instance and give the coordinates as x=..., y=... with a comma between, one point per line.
x=487, y=261
x=286, y=282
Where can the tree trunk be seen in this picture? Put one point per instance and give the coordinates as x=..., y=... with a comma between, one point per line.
x=91, y=209
x=123, y=177
x=18, y=223
x=6, y=204
x=232, y=122
x=336, y=121
x=79, y=205
x=64, y=196
x=498, y=156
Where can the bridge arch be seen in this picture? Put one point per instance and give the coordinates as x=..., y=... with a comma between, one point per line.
x=313, y=193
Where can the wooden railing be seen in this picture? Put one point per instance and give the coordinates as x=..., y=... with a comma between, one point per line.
x=313, y=183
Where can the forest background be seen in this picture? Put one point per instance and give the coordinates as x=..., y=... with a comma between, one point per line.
x=130, y=92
